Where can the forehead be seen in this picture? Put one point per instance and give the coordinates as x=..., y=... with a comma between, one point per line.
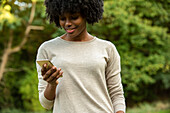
x=66, y=14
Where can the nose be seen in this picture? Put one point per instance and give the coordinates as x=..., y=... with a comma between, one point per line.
x=68, y=23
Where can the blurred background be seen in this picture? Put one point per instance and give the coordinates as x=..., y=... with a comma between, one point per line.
x=140, y=29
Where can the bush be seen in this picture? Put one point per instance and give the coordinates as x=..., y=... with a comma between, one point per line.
x=29, y=91
x=140, y=31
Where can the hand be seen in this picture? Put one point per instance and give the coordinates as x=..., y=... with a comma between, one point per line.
x=51, y=74
x=119, y=112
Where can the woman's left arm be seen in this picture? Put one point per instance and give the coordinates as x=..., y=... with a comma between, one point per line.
x=113, y=80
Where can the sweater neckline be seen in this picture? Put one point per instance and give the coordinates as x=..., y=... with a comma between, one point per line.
x=77, y=42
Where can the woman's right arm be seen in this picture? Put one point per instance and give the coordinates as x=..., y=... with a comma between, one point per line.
x=46, y=77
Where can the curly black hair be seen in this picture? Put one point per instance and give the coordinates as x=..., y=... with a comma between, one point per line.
x=92, y=10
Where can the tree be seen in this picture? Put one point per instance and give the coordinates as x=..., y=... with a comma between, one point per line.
x=140, y=31
x=10, y=19
x=16, y=17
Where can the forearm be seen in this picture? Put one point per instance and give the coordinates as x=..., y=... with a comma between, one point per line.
x=49, y=92
x=116, y=93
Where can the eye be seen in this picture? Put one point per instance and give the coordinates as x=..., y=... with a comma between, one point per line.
x=74, y=17
x=62, y=18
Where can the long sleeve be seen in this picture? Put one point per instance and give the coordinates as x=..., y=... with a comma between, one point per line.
x=87, y=67
x=48, y=104
x=113, y=80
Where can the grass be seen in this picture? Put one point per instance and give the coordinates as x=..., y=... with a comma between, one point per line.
x=155, y=107
x=163, y=111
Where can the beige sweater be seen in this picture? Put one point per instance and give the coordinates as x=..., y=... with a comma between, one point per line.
x=91, y=81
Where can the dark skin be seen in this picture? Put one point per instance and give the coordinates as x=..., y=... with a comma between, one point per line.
x=119, y=112
x=50, y=74
x=75, y=27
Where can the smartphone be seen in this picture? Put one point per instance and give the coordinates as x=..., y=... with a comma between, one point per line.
x=42, y=62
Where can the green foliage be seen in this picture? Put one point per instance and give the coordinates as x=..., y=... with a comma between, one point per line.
x=21, y=111
x=138, y=28
x=7, y=18
x=154, y=107
x=29, y=91
x=140, y=31
x=12, y=82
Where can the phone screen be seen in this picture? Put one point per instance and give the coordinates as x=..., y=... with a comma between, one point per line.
x=41, y=62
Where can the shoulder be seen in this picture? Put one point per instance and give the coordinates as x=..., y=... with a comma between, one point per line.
x=44, y=50
x=49, y=43
x=106, y=44
x=109, y=47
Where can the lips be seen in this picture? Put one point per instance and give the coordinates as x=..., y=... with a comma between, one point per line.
x=70, y=30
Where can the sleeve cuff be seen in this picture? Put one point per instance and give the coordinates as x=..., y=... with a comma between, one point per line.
x=48, y=104
x=120, y=107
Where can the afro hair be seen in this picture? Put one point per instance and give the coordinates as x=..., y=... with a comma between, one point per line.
x=92, y=10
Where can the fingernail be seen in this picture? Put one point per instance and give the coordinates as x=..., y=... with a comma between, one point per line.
x=61, y=74
x=45, y=65
x=54, y=67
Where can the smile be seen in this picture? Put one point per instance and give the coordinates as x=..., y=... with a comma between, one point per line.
x=70, y=30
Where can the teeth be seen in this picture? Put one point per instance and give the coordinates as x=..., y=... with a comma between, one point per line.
x=70, y=30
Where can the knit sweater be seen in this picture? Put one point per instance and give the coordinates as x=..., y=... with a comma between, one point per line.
x=91, y=81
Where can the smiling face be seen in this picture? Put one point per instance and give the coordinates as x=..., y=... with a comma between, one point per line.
x=74, y=25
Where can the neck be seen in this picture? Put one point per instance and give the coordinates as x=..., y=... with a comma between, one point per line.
x=84, y=36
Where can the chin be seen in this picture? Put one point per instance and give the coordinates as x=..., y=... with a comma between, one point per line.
x=72, y=35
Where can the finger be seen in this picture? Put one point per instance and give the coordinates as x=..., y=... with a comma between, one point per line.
x=49, y=73
x=53, y=77
x=44, y=69
x=49, y=66
x=56, y=74
x=60, y=74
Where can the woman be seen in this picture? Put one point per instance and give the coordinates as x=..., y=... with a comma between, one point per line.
x=90, y=67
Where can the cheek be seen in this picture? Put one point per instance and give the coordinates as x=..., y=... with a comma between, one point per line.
x=61, y=23
x=82, y=24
